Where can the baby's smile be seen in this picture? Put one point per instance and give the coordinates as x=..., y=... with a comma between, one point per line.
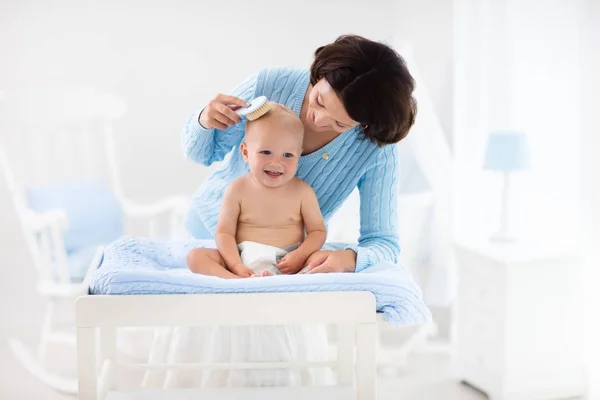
x=273, y=174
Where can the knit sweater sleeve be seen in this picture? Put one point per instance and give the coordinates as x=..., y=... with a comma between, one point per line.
x=378, y=188
x=207, y=146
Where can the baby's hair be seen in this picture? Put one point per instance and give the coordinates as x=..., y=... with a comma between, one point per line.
x=276, y=109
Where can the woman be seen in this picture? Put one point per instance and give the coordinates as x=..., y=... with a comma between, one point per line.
x=355, y=102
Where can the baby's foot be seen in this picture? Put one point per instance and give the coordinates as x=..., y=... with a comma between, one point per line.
x=263, y=273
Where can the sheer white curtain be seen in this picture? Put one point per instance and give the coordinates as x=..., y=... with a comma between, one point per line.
x=533, y=66
x=589, y=23
x=518, y=67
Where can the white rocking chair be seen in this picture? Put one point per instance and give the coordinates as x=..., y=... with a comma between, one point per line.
x=73, y=125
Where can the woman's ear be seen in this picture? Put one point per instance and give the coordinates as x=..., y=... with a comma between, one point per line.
x=244, y=151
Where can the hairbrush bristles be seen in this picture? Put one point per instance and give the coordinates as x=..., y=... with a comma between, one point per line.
x=259, y=112
x=257, y=108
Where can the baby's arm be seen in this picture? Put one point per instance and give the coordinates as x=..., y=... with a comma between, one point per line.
x=226, y=231
x=316, y=233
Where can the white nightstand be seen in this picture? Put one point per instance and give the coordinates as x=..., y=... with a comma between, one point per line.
x=518, y=321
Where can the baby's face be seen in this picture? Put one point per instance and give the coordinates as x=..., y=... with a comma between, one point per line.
x=272, y=151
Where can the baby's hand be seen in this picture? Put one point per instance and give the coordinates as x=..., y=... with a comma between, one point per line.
x=291, y=263
x=242, y=271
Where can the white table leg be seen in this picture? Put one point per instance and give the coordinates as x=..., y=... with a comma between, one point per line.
x=86, y=364
x=108, y=351
x=366, y=361
x=108, y=345
x=345, y=353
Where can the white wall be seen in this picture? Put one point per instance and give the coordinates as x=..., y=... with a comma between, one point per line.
x=428, y=25
x=590, y=194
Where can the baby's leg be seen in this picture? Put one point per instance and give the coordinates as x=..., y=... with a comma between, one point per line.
x=208, y=262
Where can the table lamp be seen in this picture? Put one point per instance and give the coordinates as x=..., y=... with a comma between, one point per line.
x=507, y=152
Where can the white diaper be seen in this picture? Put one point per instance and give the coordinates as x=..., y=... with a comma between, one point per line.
x=262, y=257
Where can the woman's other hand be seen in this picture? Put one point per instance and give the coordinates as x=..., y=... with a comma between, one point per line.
x=220, y=112
x=331, y=261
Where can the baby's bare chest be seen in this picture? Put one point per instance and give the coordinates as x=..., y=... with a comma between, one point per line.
x=270, y=210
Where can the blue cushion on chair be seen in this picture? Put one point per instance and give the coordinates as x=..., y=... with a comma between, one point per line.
x=93, y=213
x=79, y=262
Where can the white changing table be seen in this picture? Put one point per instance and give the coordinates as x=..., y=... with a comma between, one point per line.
x=354, y=313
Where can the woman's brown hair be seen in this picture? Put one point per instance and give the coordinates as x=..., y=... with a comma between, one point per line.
x=372, y=82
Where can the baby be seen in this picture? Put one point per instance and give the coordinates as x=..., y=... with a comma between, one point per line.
x=265, y=213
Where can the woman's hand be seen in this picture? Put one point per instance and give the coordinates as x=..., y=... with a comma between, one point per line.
x=220, y=112
x=331, y=261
